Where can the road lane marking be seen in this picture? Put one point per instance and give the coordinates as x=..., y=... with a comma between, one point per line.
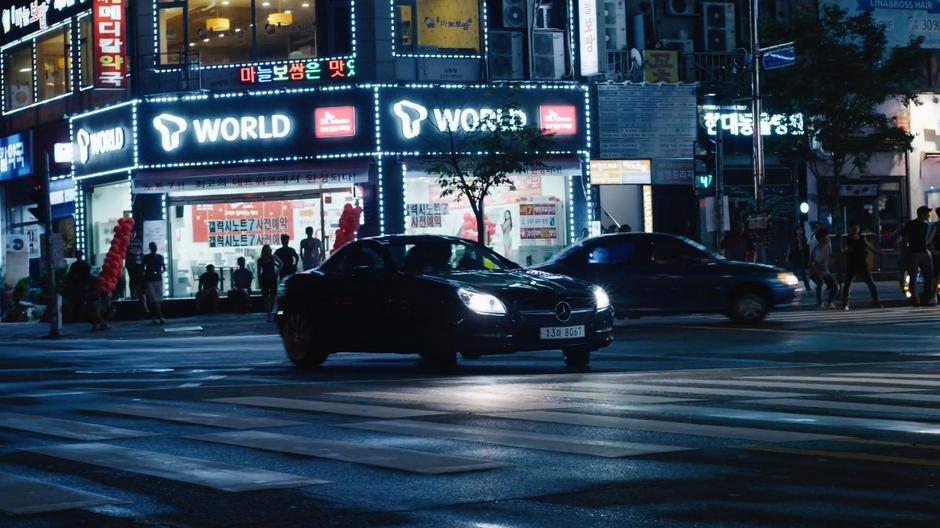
x=901, y=375
x=903, y=396
x=522, y=439
x=814, y=420
x=350, y=409
x=370, y=455
x=631, y=388
x=843, y=455
x=515, y=398
x=66, y=428
x=176, y=414
x=713, y=431
x=225, y=477
x=846, y=379
x=846, y=406
x=22, y=496
x=831, y=387
x=865, y=335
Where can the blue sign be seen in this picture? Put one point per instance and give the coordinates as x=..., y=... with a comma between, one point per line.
x=779, y=58
x=16, y=156
x=930, y=6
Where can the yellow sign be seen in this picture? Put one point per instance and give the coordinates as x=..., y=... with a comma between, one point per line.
x=616, y=172
x=449, y=24
x=660, y=66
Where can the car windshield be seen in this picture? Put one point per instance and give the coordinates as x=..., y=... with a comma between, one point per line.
x=444, y=256
x=702, y=248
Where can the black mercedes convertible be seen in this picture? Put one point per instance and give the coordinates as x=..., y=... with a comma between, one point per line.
x=437, y=296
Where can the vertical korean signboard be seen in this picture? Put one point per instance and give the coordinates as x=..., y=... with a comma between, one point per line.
x=587, y=31
x=110, y=44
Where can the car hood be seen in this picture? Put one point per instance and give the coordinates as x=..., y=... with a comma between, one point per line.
x=520, y=286
x=737, y=266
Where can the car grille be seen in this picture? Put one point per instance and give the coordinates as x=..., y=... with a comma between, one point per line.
x=548, y=318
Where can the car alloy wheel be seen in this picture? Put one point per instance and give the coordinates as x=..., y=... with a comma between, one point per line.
x=298, y=341
x=749, y=307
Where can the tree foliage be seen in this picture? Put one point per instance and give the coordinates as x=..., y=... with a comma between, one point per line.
x=470, y=166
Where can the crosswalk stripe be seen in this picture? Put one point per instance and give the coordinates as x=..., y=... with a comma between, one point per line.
x=911, y=397
x=846, y=406
x=225, y=477
x=845, y=455
x=890, y=375
x=695, y=391
x=815, y=420
x=350, y=409
x=847, y=379
x=370, y=455
x=517, y=393
x=831, y=387
x=21, y=496
x=522, y=439
x=714, y=431
x=175, y=414
x=65, y=428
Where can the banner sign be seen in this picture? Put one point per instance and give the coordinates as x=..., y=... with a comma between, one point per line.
x=417, y=119
x=738, y=121
x=587, y=37
x=616, y=172
x=110, y=44
x=538, y=221
x=643, y=121
x=21, y=17
x=16, y=156
x=448, y=24
x=251, y=128
x=426, y=214
x=243, y=224
x=903, y=19
x=660, y=66
x=308, y=70
x=159, y=182
x=103, y=141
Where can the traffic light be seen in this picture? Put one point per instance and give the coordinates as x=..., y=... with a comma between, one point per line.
x=38, y=193
x=706, y=167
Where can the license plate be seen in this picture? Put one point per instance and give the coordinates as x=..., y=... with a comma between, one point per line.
x=561, y=332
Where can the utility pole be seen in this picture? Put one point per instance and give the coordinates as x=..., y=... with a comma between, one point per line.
x=758, y=146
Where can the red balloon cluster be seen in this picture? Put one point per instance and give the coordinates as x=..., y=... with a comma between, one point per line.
x=111, y=270
x=469, y=228
x=348, y=225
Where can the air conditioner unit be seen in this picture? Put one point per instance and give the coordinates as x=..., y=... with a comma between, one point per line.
x=505, y=54
x=681, y=7
x=548, y=51
x=685, y=48
x=515, y=13
x=718, y=34
x=615, y=25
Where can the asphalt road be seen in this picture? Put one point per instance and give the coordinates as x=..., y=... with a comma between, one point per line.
x=814, y=418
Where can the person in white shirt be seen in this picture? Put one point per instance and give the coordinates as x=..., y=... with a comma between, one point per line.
x=819, y=269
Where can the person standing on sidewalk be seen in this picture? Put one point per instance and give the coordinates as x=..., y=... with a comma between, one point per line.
x=311, y=250
x=288, y=257
x=133, y=261
x=154, y=266
x=819, y=269
x=856, y=265
x=268, y=265
x=915, y=234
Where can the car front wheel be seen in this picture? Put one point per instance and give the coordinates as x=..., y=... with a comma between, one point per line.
x=299, y=342
x=749, y=307
x=577, y=357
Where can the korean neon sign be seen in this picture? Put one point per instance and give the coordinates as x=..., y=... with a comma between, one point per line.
x=310, y=70
x=110, y=44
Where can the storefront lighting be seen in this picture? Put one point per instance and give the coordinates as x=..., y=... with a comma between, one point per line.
x=265, y=4
x=26, y=70
x=205, y=40
x=218, y=24
x=305, y=4
x=281, y=19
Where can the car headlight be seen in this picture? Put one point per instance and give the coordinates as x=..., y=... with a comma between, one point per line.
x=788, y=278
x=601, y=299
x=481, y=303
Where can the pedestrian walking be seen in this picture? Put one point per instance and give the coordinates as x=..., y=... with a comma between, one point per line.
x=288, y=257
x=915, y=236
x=268, y=268
x=798, y=257
x=311, y=251
x=154, y=266
x=76, y=287
x=819, y=269
x=240, y=294
x=856, y=249
x=134, y=263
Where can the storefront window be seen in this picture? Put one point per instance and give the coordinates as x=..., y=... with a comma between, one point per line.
x=219, y=233
x=526, y=221
x=438, y=26
x=88, y=51
x=19, y=77
x=172, y=35
x=287, y=29
x=220, y=30
x=106, y=204
x=55, y=65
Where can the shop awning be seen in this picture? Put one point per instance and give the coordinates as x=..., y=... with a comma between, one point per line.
x=298, y=176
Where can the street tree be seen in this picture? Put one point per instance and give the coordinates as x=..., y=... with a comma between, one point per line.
x=844, y=74
x=471, y=165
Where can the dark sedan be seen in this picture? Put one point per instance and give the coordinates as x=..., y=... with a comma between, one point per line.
x=652, y=273
x=437, y=296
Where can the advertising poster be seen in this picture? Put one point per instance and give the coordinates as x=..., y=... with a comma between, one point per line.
x=449, y=24
x=427, y=214
x=243, y=224
x=155, y=231
x=538, y=222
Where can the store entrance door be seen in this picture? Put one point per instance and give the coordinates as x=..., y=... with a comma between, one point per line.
x=218, y=230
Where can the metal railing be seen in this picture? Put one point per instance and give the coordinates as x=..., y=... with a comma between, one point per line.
x=705, y=67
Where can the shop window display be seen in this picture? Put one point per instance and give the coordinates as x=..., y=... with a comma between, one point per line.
x=55, y=65
x=525, y=221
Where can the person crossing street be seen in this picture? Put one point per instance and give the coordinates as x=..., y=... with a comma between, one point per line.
x=856, y=249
